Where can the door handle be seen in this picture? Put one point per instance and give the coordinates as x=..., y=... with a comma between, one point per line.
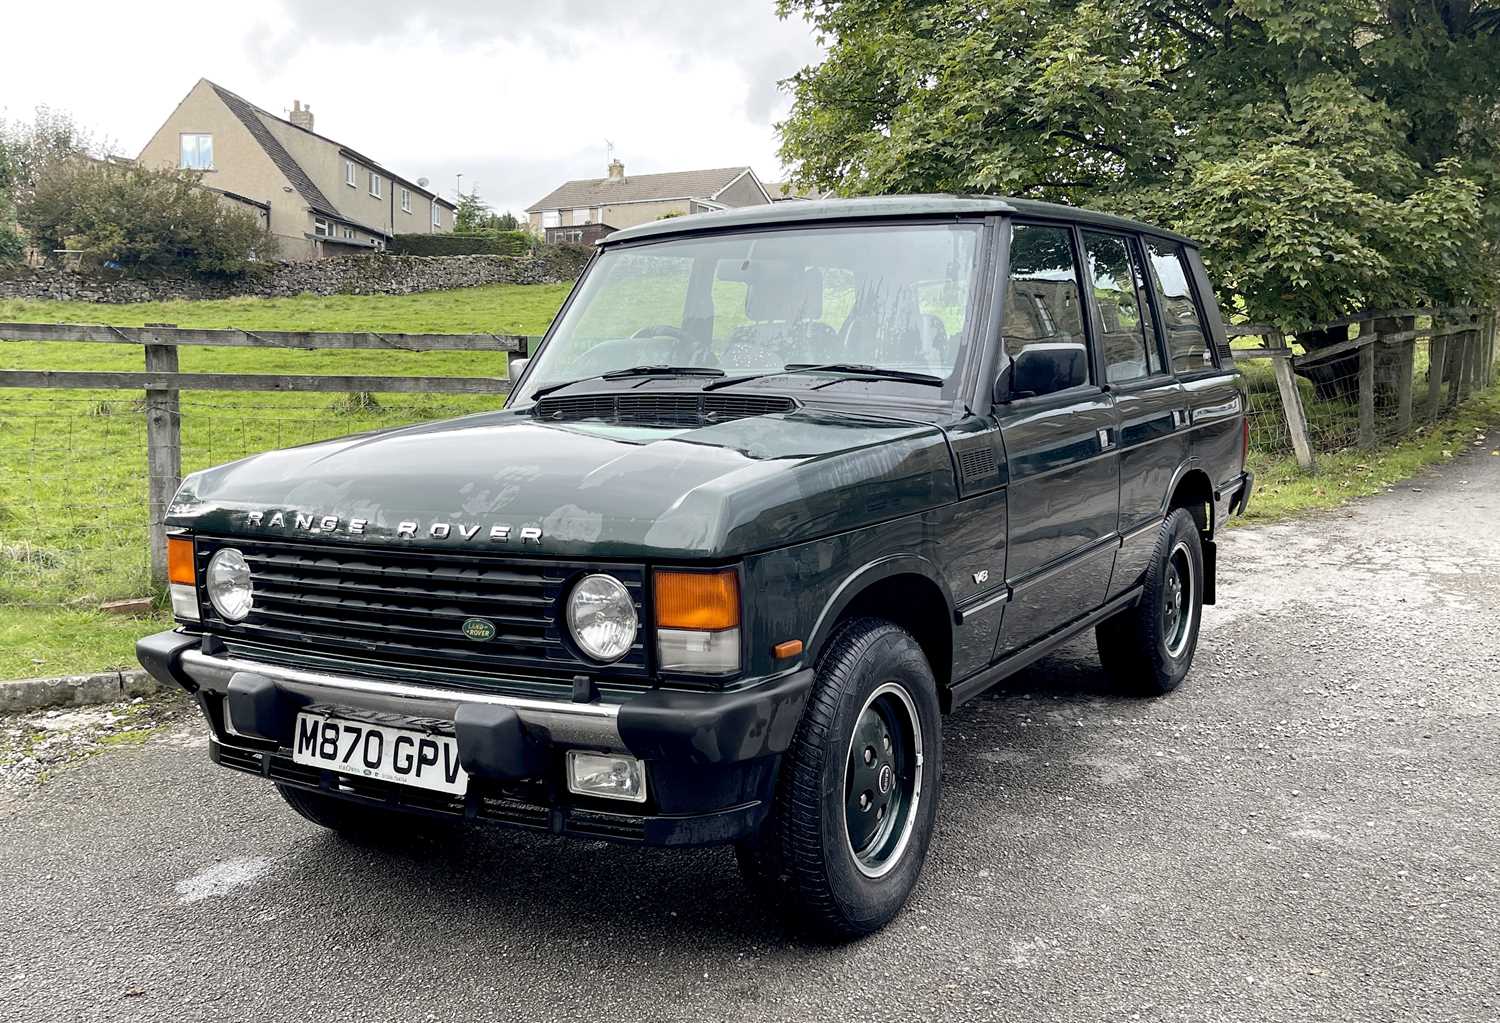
x=1105, y=440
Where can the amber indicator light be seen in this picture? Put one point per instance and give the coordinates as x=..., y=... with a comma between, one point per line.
x=791, y=648
x=180, y=560
x=697, y=600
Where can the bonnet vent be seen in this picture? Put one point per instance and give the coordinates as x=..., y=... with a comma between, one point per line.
x=676, y=409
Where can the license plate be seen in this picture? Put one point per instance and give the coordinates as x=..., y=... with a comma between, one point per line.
x=367, y=750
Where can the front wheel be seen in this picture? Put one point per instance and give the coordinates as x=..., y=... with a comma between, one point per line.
x=858, y=790
x=1148, y=648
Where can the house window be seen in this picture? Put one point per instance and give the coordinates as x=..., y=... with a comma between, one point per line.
x=348, y=231
x=197, y=152
x=375, y=184
x=406, y=200
x=322, y=228
x=580, y=217
x=437, y=215
x=552, y=218
x=349, y=173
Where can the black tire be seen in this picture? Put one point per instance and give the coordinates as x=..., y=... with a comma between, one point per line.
x=873, y=683
x=1148, y=648
x=355, y=821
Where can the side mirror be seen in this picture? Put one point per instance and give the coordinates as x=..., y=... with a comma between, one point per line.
x=1001, y=395
x=516, y=367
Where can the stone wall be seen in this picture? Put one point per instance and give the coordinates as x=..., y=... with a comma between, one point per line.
x=380, y=274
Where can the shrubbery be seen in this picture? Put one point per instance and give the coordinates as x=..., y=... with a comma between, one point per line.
x=144, y=220
x=491, y=243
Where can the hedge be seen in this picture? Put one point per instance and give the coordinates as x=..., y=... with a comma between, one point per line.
x=504, y=243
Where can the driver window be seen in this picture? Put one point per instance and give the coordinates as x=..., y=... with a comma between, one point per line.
x=1043, y=330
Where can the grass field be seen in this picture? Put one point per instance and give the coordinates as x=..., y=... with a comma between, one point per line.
x=72, y=486
x=72, y=463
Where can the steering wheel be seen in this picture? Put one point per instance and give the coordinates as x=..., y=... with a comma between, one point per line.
x=661, y=330
x=701, y=354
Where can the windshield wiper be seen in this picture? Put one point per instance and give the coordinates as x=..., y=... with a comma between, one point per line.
x=845, y=371
x=635, y=371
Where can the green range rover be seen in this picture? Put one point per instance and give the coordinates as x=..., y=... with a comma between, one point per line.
x=779, y=490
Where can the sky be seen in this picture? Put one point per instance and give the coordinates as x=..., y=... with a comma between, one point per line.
x=516, y=97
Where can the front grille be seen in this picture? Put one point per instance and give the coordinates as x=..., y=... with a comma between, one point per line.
x=674, y=409
x=400, y=607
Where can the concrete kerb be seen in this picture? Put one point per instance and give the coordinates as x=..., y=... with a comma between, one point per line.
x=74, y=690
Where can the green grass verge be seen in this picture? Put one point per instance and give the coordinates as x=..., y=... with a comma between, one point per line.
x=1283, y=490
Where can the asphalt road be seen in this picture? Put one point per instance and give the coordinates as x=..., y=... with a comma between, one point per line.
x=1309, y=829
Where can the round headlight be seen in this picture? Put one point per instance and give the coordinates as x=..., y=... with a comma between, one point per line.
x=228, y=582
x=601, y=617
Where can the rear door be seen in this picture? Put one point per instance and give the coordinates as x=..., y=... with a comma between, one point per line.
x=1150, y=406
x=1060, y=449
x=1211, y=388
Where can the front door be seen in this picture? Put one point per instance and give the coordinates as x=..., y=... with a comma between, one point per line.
x=1061, y=447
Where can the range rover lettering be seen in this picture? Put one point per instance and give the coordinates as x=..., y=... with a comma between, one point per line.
x=778, y=492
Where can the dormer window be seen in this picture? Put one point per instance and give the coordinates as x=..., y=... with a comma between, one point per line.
x=437, y=214
x=406, y=200
x=349, y=173
x=375, y=184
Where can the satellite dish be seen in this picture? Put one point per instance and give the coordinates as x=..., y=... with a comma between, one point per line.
x=421, y=182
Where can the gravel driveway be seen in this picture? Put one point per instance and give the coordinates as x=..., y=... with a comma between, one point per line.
x=1309, y=829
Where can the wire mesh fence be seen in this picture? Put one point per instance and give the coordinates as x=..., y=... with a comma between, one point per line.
x=1383, y=386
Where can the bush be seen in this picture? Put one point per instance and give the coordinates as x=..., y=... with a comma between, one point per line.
x=145, y=220
x=498, y=243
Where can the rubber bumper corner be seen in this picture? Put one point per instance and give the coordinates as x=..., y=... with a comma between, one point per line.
x=716, y=727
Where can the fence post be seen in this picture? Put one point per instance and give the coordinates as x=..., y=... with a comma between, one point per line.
x=163, y=452
x=1291, y=399
x=1437, y=357
x=1406, y=370
x=1366, y=391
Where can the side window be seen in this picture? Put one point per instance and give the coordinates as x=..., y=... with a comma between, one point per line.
x=1043, y=329
x=1129, y=339
x=1187, y=343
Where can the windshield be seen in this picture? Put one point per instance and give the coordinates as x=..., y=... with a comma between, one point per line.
x=895, y=297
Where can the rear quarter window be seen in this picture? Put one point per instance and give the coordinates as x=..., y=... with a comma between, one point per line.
x=1188, y=344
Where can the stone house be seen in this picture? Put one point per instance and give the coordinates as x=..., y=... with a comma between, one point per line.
x=321, y=198
x=583, y=210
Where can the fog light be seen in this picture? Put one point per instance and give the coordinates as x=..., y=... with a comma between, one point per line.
x=608, y=777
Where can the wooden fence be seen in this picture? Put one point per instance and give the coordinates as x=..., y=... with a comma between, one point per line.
x=162, y=382
x=1462, y=352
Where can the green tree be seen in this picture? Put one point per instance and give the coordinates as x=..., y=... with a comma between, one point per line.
x=144, y=219
x=1331, y=155
x=474, y=216
x=24, y=148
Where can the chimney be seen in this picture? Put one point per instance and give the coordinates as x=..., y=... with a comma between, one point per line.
x=301, y=115
x=616, y=169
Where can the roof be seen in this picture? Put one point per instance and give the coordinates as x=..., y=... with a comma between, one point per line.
x=247, y=113
x=880, y=206
x=250, y=115
x=694, y=184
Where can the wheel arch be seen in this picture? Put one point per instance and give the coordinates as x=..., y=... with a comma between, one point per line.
x=906, y=590
x=1192, y=489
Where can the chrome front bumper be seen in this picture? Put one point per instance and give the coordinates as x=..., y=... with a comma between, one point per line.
x=595, y=725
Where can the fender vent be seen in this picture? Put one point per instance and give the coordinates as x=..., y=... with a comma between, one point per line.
x=673, y=409
x=977, y=464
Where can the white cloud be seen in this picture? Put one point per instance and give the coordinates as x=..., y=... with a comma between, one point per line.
x=515, y=96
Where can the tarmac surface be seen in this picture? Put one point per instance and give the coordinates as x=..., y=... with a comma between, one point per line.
x=1308, y=829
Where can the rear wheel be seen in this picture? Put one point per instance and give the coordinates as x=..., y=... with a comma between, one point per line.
x=858, y=789
x=1149, y=648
